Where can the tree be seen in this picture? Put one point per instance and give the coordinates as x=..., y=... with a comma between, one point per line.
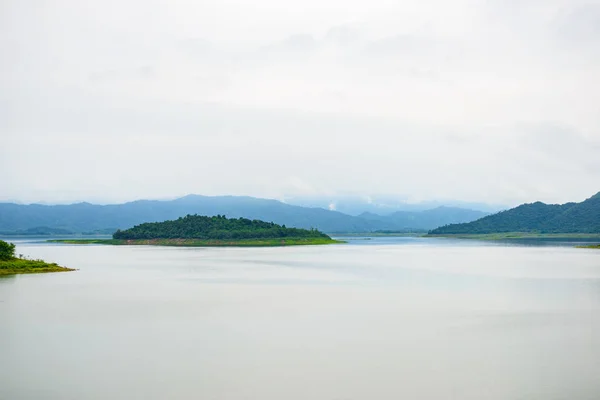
x=217, y=227
x=7, y=250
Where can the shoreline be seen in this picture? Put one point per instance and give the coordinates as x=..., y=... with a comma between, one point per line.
x=518, y=235
x=203, y=242
x=18, y=266
x=592, y=246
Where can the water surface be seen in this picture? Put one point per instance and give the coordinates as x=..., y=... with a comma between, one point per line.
x=385, y=318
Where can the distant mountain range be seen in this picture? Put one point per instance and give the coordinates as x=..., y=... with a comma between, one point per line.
x=420, y=219
x=581, y=217
x=383, y=204
x=90, y=218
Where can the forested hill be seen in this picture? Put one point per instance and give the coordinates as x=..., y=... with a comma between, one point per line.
x=216, y=227
x=581, y=217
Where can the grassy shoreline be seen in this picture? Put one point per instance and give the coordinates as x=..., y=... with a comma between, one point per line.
x=203, y=242
x=23, y=266
x=519, y=235
x=592, y=246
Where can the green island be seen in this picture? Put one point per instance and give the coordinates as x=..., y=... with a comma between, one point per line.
x=203, y=231
x=10, y=264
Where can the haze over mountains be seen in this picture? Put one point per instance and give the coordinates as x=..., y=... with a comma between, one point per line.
x=384, y=204
x=538, y=217
x=86, y=217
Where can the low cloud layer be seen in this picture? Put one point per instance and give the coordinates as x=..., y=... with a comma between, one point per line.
x=491, y=101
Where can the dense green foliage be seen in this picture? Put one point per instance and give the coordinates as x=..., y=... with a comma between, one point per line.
x=537, y=217
x=217, y=227
x=7, y=250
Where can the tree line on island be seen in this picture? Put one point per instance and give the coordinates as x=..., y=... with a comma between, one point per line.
x=216, y=227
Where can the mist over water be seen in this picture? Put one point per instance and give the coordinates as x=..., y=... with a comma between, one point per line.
x=373, y=319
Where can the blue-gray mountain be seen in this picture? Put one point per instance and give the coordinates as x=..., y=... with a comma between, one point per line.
x=87, y=218
x=382, y=204
x=537, y=217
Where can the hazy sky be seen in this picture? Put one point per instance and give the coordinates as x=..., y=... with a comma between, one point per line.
x=494, y=100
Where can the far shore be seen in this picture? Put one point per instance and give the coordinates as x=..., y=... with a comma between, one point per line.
x=520, y=235
x=203, y=242
x=592, y=246
x=378, y=234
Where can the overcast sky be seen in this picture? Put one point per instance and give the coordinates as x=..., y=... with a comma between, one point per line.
x=492, y=101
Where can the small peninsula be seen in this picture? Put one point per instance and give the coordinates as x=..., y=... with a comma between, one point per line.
x=10, y=265
x=199, y=231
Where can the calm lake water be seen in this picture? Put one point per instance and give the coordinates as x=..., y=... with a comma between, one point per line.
x=391, y=318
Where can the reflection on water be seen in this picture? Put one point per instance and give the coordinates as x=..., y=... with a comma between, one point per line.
x=386, y=318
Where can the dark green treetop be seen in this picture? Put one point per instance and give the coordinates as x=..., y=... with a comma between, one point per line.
x=7, y=250
x=216, y=227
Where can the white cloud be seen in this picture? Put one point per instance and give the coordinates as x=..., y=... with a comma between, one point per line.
x=484, y=101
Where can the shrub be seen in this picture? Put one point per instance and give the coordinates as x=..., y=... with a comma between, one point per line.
x=7, y=250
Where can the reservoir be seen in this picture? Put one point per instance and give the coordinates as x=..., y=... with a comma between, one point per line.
x=376, y=318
